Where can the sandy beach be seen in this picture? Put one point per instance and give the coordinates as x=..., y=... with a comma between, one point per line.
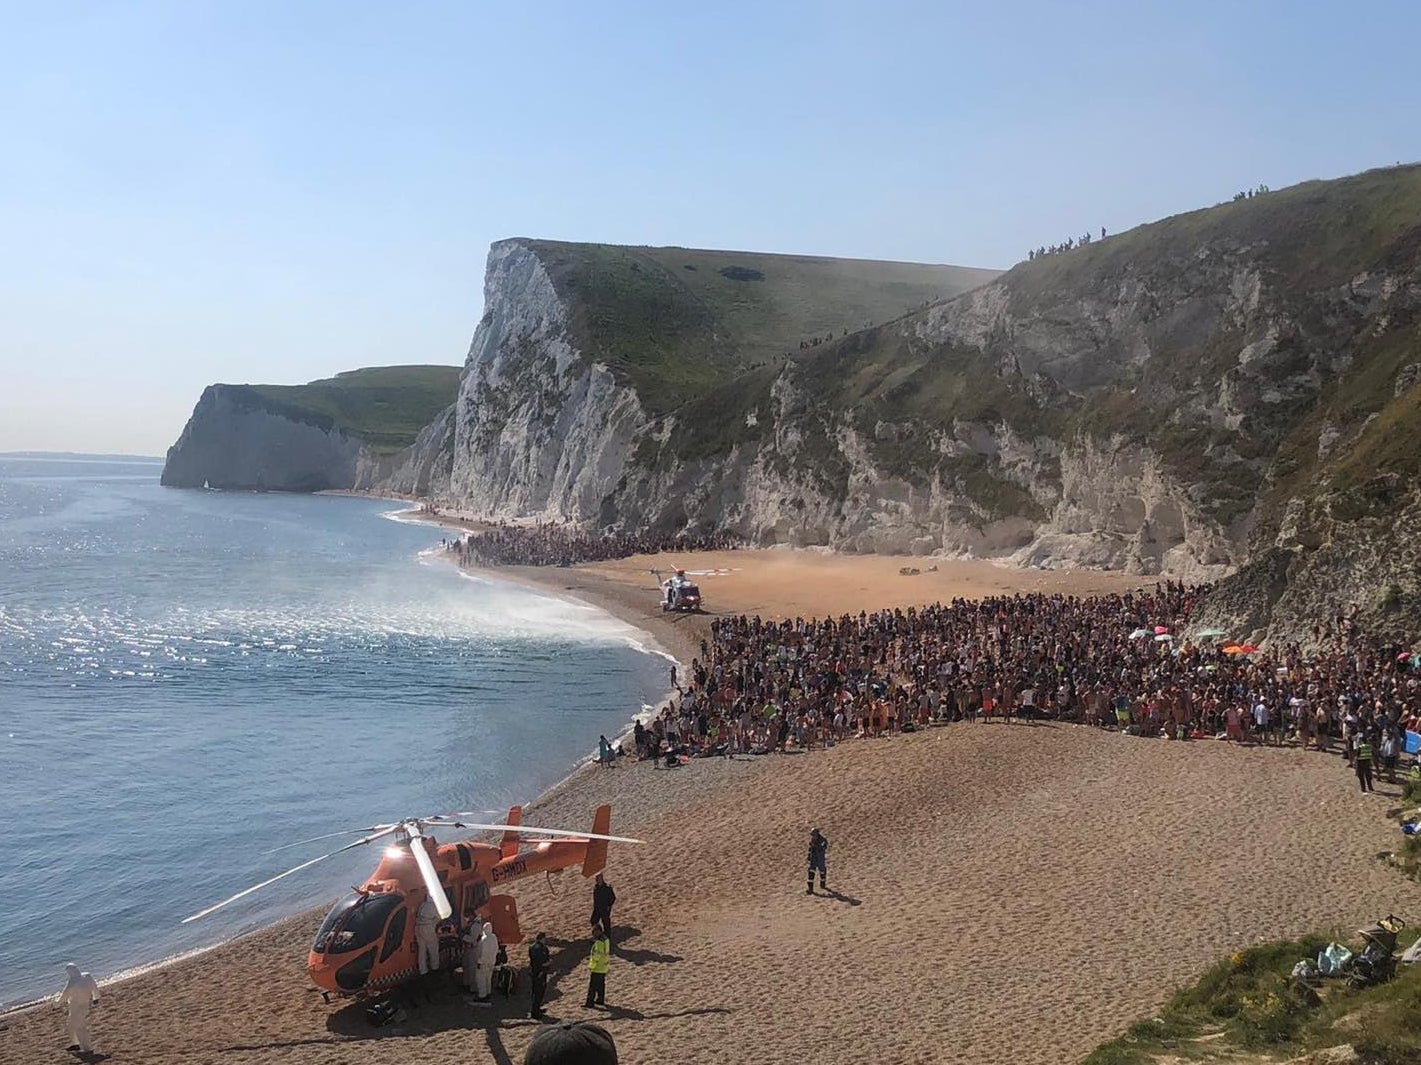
x=1001, y=893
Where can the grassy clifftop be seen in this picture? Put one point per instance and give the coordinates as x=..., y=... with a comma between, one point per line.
x=1231, y=340
x=386, y=406
x=675, y=322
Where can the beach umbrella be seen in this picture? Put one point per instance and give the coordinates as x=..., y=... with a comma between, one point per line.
x=1403, y=656
x=1163, y=637
x=1139, y=633
x=1233, y=649
x=1161, y=629
x=1211, y=632
x=1248, y=649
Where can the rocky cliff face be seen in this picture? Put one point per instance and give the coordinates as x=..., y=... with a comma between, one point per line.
x=1178, y=399
x=367, y=429
x=233, y=441
x=423, y=469
x=540, y=429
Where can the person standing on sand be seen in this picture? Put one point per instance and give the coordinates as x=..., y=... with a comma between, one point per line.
x=539, y=959
x=485, y=962
x=426, y=935
x=602, y=899
x=818, y=859
x=470, y=939
x=599, y=962
x=1363, y=763
x=80, y=995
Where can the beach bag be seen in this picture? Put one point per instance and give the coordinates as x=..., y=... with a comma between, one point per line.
x=504, y=980
x=383, y=1013
x=1334, y=960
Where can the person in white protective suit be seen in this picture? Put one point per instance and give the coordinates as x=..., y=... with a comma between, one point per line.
x=426, y=935
x=485, y=958
x=80, y=994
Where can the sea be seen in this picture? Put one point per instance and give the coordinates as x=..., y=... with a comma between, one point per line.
x=190, y=679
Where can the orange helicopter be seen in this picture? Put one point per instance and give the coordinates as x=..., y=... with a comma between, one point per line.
x=366, y=945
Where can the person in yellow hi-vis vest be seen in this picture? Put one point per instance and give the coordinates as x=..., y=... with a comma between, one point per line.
x=597, y=965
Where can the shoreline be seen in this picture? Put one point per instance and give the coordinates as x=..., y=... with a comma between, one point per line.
x=553, y=581
x=971, y=834
x=585, y=763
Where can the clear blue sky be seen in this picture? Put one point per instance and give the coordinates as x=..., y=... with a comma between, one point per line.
x=272, y=192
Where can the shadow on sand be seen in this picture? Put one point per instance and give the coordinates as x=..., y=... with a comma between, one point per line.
x=838, y=896
x=438, y=1003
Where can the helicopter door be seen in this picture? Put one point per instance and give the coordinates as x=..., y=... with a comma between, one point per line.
x=395, y=934
x=475, y=897
x=503, y=912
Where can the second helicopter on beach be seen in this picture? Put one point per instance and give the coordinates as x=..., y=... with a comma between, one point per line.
x=678, y=592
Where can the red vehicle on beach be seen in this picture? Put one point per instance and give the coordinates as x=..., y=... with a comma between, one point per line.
x=367, y=943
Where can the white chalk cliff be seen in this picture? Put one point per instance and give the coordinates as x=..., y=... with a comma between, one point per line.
x=1175, y=400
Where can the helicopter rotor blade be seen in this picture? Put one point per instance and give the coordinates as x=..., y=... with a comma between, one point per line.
x=331, y=835
x=528, y=830
x=426, y=870
x=295, y=869
x=357, y=832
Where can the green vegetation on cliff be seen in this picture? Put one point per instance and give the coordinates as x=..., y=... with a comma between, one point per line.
x=1247, y=1008
x=385, y=406
x=675, y=322
x=1265, y=350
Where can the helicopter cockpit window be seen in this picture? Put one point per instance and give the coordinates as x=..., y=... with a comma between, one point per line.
x=328, y=926
x=355, y=922
x=365, y=923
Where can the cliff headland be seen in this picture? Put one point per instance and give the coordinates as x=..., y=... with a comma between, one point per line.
x=362, y=430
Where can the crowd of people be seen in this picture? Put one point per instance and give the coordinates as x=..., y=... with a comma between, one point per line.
x=1069, y=244
x=1118, y=661
x=566, y=544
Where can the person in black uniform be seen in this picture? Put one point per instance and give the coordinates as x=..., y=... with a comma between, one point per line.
x=602, y=898
x=818, y=853
x=539, y=958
